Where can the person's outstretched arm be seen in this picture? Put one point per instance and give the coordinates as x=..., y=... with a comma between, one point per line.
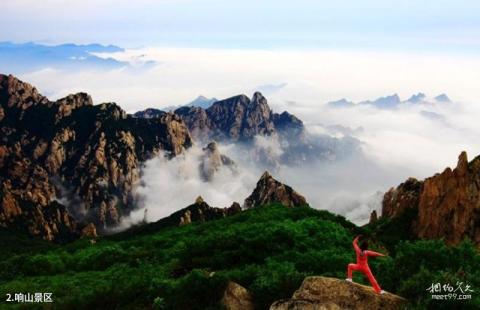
x=355, y=245
x=373, y=253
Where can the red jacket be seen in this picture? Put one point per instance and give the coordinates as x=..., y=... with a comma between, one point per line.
x=362, y=256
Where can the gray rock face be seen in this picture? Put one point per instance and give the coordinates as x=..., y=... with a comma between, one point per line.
x=237, y=118
x=269, y=190
x=331, y=294
x=198, y=122
x=212, y=161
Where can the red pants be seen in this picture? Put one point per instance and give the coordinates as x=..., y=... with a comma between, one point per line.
x=366, y=271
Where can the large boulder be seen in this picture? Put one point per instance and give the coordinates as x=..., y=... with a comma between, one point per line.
x=236, y=297
x=322, y=293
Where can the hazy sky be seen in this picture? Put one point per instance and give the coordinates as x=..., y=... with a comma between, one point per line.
x=441, y=26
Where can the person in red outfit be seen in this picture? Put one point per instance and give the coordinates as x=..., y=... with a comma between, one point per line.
x=362, y=264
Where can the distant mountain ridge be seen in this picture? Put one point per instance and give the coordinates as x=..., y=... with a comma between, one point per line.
x=391, y=101
x=22, y=57
x=201, y=102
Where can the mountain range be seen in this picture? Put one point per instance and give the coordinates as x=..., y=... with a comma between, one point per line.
x=69, y=167
x=241, y=120
x=391, y=101
x=25, y=57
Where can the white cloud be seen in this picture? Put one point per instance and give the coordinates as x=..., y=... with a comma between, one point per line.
x=170, y=185
x=396, y=143
x=311, y=76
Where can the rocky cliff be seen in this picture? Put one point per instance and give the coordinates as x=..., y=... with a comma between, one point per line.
x=236, y=119
x=447, y=204
x=212, y=161
x=72, y=153
x=268, y=190
x=333, y=294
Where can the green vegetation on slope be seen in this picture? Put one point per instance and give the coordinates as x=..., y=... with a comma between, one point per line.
x=269, y=250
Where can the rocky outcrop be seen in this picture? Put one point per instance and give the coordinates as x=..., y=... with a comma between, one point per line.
x=236, y=297
x=149, y=113
x=198, y=122
x=66, y=105
x=199, y=211
x=405, y=196
x=324, y=293
x=288, y=123
x=74, y=153
x=269, y=190
x=89, y=231
x=447, y=204
x=212, y=161
x=373, y=217
x=16, y=94
x=237, y=118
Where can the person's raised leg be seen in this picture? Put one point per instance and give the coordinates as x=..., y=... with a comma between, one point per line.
x=350, y=269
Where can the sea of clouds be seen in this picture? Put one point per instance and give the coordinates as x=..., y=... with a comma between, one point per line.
x=412, y=140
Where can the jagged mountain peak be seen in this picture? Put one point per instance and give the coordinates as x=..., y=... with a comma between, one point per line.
x=199, y=200
x=268, y=190
x=19, y=94
x=388, y=102
x=341, y=103
x=442, y=98
x=417, y=98
x=238, y=118
x=445, y=205
x=212, y=161
x=202, y=102
x=258, y=97
x=266, y=175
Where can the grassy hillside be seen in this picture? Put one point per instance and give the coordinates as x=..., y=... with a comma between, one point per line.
x=269, y=250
